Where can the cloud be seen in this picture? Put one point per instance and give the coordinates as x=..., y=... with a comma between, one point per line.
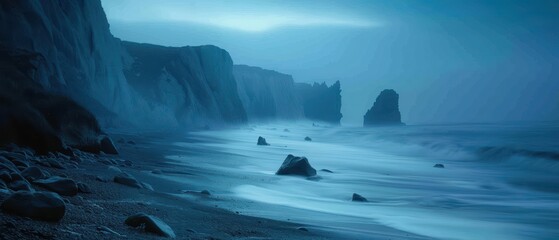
x=248, y=17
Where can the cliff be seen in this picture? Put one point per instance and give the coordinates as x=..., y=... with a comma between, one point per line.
x=80, y=57
x=384, y=111
x=128, y=84
x=320, y=102
x=194, y=85
x=267, y=94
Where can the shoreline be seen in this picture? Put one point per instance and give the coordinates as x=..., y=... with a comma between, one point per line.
x=88, y=216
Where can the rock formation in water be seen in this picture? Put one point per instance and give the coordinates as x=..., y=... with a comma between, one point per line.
x=262, y=142
x=267, y=94
x=293, y=165
x=194, y=84
x=384, y=111
x=320, y=102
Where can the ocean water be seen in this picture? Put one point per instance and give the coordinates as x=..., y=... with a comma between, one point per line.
x=500, y=181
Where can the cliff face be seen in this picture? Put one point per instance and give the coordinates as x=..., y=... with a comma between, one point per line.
x=80, y=57
x=320, y=102
x=195, y=85
x=267, y=94
x=384, y=111
x=139, y=84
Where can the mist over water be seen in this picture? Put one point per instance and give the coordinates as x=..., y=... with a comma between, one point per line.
x=499, y=181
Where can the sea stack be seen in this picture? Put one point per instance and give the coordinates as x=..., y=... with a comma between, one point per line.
x=384, y=111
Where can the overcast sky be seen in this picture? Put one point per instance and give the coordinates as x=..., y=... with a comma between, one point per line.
x=451, y=61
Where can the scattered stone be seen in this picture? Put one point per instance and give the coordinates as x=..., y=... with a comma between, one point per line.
x=33, y=173
x=83, y=188
x=131, y=142
x=438, y=165
x=54, y=163
x=128, y=180
x=326, y=170
x=107, y=230
x=7, y=164
x=205, y=192
x=303, y=229
x=293, y=165
x=5, y=176
x=107, y=146
x=103, y=178
x=146, y=186
x=358, y=198
x=308, y=139
x=60, y=185
x=150, y=224
x=115, y=169
x=20, y=185
x=262, y=142
x=46, y=206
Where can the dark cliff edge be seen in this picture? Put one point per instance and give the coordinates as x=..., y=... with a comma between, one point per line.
x=385, y=110
x=320, y=102
x=266, y=94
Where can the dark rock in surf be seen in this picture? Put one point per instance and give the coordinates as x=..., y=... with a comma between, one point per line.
x=262, y=142
x=150, y=224
x=384, y=111
x=107, y=146
x=308, y=139
x=438, y=165
x=205, y=192
x=46, y=206
x=326, y=170
x=20, y=185
x=60, y=185
x=293, y=165
x=358, y=198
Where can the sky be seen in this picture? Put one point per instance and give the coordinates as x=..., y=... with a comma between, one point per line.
x=450, y=61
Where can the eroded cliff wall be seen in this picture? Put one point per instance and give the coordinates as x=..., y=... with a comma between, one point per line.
x=266, y=94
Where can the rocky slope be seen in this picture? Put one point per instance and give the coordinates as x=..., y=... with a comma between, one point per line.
x=189, y=85
x=320, y=102
x=267, y=94
x=384, y=111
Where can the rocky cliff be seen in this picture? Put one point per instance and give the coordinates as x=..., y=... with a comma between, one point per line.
x=267, y=94
x=193, y=85
x=385, y=110
x=79, y=56
x=320, y=102
x=124, y=83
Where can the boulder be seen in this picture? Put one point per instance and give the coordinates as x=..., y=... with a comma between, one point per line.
x=46, y=206
x=293, y=165
x=128, y=180
x=438, y=165
x=384, y=111
x=20, y=185
x=262, y=142
x=358, y=198
x=150, y=224
x=83, y=188
x=33, y=173
x=308, y=139
x=107, y=146
x=326, y=170
x=60, y=185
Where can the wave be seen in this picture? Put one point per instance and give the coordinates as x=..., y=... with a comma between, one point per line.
x=507, y=152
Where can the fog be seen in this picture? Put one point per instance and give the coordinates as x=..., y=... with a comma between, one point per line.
x=469, y=61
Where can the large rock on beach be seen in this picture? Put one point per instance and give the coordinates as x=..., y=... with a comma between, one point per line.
x=150, y=224
x=262, y=142
x=60, y=185
x=293, y=165
x=46, y=206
